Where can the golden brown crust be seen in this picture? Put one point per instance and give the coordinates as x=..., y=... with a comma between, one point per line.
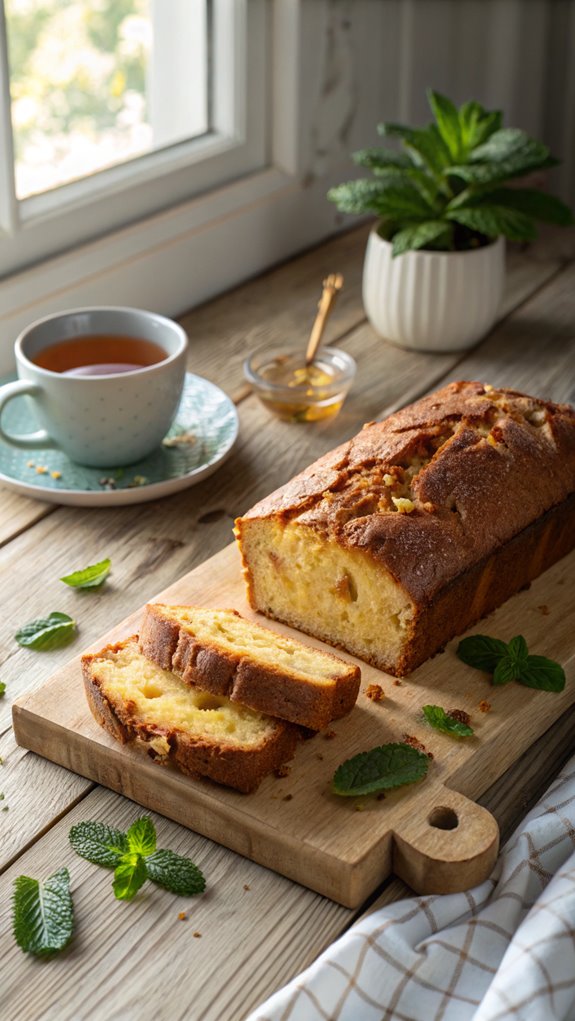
x=266, y=689
x=240, y=768
x=463, y=498
x=492, y=462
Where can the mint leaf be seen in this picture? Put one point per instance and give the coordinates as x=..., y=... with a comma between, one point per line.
x=545, y=674
x=46, y=633
x=441, y=720
x=2, y=688
x=506, y=670
x=381, y=159
x=421, y=235
x=141, y=837
x=175, y=873
x=493, y=220
x=390, y=765
x=533, y=202
x=511, y=662
x=447, y=118
x=89, y=577
x=129, y=876
x=517, y=650
x=99, y=843
x=477, y=124
x=43, y=913
x=481, y=651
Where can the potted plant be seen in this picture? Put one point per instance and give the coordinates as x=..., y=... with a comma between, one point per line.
x=434, y=267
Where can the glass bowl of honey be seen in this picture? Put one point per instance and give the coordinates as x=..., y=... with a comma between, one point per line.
x=296, y=392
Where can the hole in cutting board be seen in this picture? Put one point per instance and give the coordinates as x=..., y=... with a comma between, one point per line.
x=443, y=818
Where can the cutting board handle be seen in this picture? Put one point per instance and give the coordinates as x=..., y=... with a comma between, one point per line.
x=446, y=844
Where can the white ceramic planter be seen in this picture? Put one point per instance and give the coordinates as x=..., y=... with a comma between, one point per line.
x=432, y=301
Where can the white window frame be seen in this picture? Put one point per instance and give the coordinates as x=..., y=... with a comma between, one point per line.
x=173, y=260
x=57, y=220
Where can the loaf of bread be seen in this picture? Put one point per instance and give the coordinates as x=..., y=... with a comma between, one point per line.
x=222, y=652
x=417, y=527
x=199, y=733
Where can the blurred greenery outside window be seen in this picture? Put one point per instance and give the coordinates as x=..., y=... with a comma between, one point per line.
x=92, y=85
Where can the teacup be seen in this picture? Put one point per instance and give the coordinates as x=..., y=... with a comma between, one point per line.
x=105, y=383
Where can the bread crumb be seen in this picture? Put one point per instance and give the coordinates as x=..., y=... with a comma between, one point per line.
x=182, y=916
x=402, y=504
x=414, y=742
x=56, y=475
x=30, y=464
x=375, y=692
x=460, y=715
x=282, y=771
x=287, y=797
x=544, y=609
x=183, y=440
x=41, y=469
x=329, y=735
x=397, y=682
x=484, y=706
x=247, y=886
x=197, y=935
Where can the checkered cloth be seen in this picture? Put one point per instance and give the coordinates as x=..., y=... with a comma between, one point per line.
x=504, y=950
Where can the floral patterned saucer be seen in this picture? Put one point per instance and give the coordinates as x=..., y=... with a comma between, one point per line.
x=202, y=436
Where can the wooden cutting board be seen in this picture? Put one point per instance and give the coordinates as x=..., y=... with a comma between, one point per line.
x=431, y=834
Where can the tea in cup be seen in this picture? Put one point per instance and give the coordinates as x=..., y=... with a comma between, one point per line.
x=105, y=383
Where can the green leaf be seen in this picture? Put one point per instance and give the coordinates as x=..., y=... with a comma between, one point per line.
x=2, y=688
x=447, y=118
x=494, y=220
x=381, y=159
x=510, y=143
x=517, y=650
x=505, y=671
x=481, y=651
x=535, y=203
x=545, y=674
x=422, y=234
x=438, y=718
x=129, y=876
x=359, y=196
x=89, y=577
x=141, y=836
x=175, y=873
x=477, y=124
x=425, y=144
x=50, y=632
x=383, y=196
x=99, y=843
x=43, y=913
x=390, y=765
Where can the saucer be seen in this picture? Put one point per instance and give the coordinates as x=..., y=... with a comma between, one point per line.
x=200, y=439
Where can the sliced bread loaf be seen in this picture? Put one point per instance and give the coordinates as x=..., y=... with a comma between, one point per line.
x=200, y=733
x=222, y=652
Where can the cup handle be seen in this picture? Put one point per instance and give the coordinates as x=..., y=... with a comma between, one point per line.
x=26, y=440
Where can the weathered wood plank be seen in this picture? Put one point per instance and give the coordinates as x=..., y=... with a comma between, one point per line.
x=139, y=959
x=18, y=513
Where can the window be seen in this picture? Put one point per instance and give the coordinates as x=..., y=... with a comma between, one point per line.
x=112, y=110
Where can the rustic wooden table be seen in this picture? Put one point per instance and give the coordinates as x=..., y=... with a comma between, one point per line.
x=258, y=929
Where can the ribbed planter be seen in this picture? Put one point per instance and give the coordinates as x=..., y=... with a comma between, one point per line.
x=432, y=301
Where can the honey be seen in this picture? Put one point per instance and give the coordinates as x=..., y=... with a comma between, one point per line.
x=300, y=393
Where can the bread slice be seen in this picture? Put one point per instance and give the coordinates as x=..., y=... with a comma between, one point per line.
x=199, y=733
x=221, y=652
